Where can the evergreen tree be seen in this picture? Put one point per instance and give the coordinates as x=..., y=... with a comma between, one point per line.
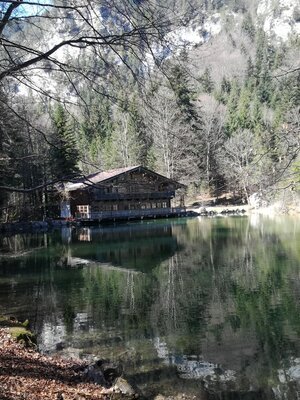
x=264, y=86
x=11, y=149
x=250, y=79
x=64, y=152
x=192, y=136
x=243, y=110
x=97, y=116
x=96, y=126
x=232, y=120
x=256, y=115
x=206, y=81
x=248, y=26
x=138, y=128
x=223, y=93
x=264, y=63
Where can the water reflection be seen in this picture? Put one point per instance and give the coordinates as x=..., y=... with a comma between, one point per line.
x=210, y=301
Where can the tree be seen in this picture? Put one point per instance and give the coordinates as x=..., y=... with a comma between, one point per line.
x=11, y=145
x=93, y=131
x=244, y=109
x=163, y=121
x=248, y=26
x=58, y=48
x=192, y=125
x=214, y=138
x=239, y=161
x=64, y=153
x=125, y=141
x=206, y=81
x=232, y=122
x=136, y=25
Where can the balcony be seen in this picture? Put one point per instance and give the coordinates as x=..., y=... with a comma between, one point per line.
x=133, y=196
x=131, y=214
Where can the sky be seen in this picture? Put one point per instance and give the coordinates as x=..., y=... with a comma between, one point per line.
x=25, y=9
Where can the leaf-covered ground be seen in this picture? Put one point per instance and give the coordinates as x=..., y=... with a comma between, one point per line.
x=27, y=374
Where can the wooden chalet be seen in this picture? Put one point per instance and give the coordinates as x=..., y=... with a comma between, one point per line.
x=123, y=193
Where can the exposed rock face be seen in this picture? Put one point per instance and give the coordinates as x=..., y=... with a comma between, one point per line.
x=256, y=200
x=280, y=18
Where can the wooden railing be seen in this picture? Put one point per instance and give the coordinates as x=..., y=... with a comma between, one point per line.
x=138, y=195
x=124, y=214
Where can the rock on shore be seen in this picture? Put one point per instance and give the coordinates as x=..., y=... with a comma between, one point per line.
x=27, y=374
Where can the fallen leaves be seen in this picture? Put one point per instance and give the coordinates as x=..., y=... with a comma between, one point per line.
x=28, y=375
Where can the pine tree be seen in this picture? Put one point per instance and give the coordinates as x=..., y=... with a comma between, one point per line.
x=64, y=152
x=232, y=120
x=243, y=109
x=248, y=26
x=223, y=93
x=206, y=81
x=256, y=115
x=138, y=129
x=96, y=126
x=192, y=151
x=11, y=148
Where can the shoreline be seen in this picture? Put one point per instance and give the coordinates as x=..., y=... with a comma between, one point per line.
x=25, y=372
x=195, y=211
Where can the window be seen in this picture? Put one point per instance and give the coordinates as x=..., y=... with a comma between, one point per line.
x=115, y=207
x=153, y=205
x=164, y=204
x=84, y=211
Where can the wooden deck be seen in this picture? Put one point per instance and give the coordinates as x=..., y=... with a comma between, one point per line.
x=126, y=215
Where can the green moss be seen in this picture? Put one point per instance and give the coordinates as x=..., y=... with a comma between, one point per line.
x=26, y=323
x=8, y=322
x=21, y=334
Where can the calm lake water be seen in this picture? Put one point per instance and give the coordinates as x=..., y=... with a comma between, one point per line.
x=206, y=307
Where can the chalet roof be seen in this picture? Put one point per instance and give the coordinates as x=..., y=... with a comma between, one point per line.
x=103, y=176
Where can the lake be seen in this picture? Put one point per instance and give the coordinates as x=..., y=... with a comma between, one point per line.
x=205, y=307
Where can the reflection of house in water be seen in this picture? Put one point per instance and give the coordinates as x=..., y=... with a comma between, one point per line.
x=84, y=235
x=133, y=246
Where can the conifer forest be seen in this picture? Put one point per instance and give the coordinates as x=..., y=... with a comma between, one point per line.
x=203, y=92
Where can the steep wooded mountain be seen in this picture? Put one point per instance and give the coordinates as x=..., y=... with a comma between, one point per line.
x=205, y=92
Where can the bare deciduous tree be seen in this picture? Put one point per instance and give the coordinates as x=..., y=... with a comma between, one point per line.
x=130, y=28
x=166, y=130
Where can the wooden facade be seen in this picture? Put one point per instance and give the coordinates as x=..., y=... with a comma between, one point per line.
x=133, y=191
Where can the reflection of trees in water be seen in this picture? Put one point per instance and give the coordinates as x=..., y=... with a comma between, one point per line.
x=129, y=292
x=22, y=244
x=171, y=291
x=230, y=281
x=226, y=289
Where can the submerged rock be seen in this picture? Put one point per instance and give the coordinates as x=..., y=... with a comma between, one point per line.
x=124, y=387
x=104, y=372
x=95, y=375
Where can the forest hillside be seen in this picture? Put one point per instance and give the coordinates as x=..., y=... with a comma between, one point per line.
x=204, y=91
